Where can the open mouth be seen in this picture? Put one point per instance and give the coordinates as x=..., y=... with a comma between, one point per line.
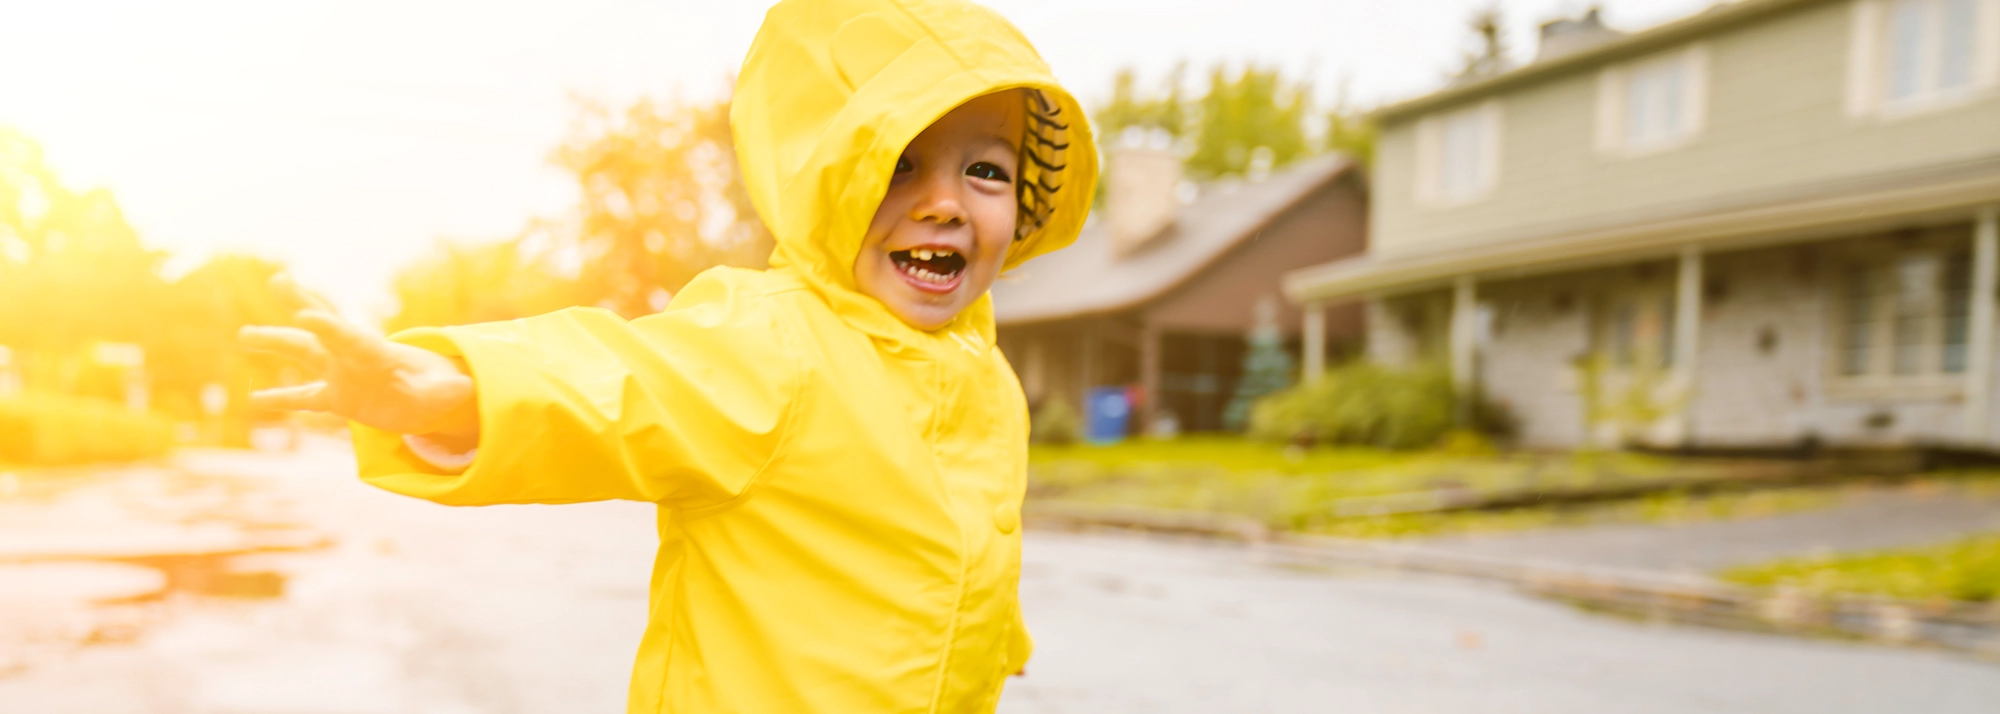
x=930, y=268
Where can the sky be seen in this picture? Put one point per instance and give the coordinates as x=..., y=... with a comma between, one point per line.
x=346, y=137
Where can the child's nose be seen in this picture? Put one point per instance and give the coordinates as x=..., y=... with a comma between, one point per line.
x=939, y=200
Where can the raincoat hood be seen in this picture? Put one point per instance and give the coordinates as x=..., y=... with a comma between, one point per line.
x=833, y=90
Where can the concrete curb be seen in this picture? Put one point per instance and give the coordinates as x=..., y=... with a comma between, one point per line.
x=1965, y=627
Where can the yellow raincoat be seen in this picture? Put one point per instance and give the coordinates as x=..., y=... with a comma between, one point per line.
x=839, y=493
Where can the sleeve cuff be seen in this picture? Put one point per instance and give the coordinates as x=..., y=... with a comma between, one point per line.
x=439, y=456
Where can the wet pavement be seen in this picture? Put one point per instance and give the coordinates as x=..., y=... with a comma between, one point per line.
x=395, y=606
x=1126, y=625
x=255, y=583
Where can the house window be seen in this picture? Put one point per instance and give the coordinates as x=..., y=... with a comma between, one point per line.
x=1905, y=317
x=1636, y=332
x=1652, y=104
x=1917, y=53
x=1458, y=155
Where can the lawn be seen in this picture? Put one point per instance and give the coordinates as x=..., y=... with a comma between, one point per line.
x=1363, y=492
x=1967, y=569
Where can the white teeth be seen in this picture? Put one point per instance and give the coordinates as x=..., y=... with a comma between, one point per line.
x=925, y=275
x=927, y=253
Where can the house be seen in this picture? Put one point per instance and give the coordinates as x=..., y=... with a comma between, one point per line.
x=1769, y=224
x=1161, y=287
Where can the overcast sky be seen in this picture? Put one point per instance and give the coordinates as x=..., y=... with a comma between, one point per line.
x=344, y=137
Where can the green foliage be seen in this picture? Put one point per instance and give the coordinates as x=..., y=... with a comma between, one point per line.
x=44, y=429
x=1300, y=489
x=71, y=256
x=662, y=201
x=1967, y=569
x=1351, y=133
x=1361, y=403
x=1254, y=120
x=463, y=283
x=1245, y=121
x=1267, y=369
x=1167, y=110
x=1056, y=423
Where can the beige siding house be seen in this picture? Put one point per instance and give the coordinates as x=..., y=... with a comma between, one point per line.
x=1772, y=223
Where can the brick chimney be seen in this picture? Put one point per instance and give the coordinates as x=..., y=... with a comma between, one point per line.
x=1573, y=34
x=1145, y=182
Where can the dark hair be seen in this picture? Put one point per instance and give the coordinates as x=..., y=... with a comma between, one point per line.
x=1043, y=150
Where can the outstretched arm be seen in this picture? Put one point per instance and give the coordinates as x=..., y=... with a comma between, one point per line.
x=365, y=377
x=684, y=407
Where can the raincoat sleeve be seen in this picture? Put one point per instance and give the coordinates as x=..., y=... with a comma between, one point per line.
x=683, y=408
x=1020, y=645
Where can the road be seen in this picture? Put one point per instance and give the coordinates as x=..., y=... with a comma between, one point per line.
x=418, y=608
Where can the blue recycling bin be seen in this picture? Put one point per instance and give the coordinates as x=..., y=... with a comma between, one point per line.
x=1105, y=415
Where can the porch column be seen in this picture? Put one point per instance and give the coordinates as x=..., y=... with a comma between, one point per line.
x=1149, y=374
x=1464, y=331
x=1979, y=339
x=1086, y=367
x=1687, y=335
x=1312, y=342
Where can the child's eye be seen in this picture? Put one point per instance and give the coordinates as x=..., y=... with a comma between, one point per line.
x=903, y=165
x=988, y=171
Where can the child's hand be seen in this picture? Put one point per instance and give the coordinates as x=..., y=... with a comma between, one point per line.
x=364, y=377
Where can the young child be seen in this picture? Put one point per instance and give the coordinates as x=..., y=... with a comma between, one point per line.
x=837, y=448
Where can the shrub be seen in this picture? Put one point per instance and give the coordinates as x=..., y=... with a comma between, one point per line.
x=46, y=429
x=1368, y=404
x=1055, y=423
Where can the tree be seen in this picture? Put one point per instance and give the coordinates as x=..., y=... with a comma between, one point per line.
x=463, y=283
x=1350, y=131
x=72, y=270
x=1249, y=123
x=1487, y=54
x=206, y=308
x=1167, y=110
x=1267, y=367
x=662, y=201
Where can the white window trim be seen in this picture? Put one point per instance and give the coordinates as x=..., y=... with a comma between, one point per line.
x=1867, y=65
x=1430, y=158
x=1612, y=84
x=1879, y=381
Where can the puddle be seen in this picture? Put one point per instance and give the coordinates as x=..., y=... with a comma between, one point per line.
x=94, y=558
x=209, y=574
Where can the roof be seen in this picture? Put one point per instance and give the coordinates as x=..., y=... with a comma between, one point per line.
x=1722, y=14
x=1089, y=278
x=1839, y=206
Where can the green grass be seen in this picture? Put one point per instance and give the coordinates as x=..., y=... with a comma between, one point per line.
x=1299, y=489
x=1658, y=508
x=1967, y=569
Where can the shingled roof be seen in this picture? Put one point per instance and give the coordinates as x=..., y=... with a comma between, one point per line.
x=1090, y=278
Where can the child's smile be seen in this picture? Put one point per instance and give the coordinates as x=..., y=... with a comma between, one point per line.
x=932, y=268
x=942, y=231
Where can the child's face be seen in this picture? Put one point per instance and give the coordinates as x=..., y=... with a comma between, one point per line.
x=938, y=239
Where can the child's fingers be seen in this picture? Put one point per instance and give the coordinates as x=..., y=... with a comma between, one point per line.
x=338, y=336
x=305, y=397
x=291, y=343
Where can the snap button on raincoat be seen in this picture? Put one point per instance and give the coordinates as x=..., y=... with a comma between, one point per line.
x=839, y=493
